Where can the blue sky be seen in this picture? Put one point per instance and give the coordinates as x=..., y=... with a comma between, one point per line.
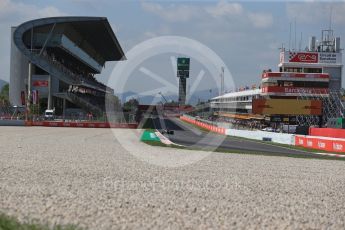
x=245, y=35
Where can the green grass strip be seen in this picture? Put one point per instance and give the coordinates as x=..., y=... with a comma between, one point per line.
x=11, y=223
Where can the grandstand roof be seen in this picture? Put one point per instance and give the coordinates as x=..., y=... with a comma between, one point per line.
x=239, y=94
x=96, y=31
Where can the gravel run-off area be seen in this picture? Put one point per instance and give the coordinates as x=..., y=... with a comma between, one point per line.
x=90, y=177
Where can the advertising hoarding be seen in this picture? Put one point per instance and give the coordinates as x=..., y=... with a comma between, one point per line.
x=310, y=57
x=305, y=57
x=286, y=107
x=40, y=83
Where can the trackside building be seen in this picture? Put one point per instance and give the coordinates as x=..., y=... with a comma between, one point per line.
x=305, y=90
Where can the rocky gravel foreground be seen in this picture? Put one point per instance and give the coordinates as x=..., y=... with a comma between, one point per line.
x=90, y=177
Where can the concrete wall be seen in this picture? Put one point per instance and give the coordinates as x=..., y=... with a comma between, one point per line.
x=12, y=123
x=282, y=138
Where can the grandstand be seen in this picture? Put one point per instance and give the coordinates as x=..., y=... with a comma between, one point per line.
x=55, y=61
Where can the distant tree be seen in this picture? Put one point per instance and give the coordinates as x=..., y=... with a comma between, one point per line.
x=5, y=90
x=131, y=104
x=4, y=95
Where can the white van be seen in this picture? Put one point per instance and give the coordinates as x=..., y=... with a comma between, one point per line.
x=49, y=114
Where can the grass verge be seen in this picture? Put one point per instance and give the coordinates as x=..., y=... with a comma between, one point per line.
x=11, y=223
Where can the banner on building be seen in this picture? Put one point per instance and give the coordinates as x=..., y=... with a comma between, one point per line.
x=303, y=57
x=35, y=99
x=22, y=97
x=293, y=90
x=310, y=57
x=40, y=83
x=286, y=107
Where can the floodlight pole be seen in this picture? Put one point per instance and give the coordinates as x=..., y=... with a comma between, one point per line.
x=222, y=81
x=28, y=101
x=49, y=92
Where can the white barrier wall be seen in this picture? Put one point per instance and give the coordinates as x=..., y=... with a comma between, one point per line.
x=12, y=123
x=282, y=138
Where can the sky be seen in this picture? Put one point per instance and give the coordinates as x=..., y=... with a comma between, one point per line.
x=245, y=35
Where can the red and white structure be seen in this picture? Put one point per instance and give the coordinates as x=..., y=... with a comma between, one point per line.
x=289, y=84
x=324, y=56
x=311, y=73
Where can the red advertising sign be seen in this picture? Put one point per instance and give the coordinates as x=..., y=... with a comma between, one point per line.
x=211, y=128
x=40, y=83
x=304, y=57
x=327, y=132
x=325, y=144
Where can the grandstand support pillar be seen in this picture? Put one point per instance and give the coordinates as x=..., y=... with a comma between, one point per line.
x=64, y=109
x=49, y=92
x=28, y=101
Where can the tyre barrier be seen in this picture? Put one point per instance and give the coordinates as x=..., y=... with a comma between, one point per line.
x=81, y=124
x=209, y=127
